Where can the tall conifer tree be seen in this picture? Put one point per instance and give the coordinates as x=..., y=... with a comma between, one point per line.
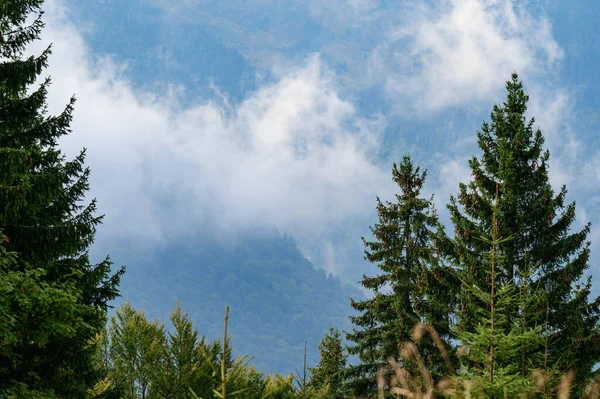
x=45, y=225
x=543, y=253
x=411, y=288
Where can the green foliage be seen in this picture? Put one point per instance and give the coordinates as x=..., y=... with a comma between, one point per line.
x=177, y=371
x=493, y=352
x=136, y=346
x=279, y=299
x=143, y=362
x=538, y=220
x=54, y=299
x=279, y=387
x=24, y=296
x=411, y=287
x=329, y=376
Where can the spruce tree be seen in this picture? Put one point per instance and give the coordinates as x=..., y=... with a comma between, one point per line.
x=328, y=377
x=412, y=286
x=543, y=252
x=492, y=353
x=45, y=225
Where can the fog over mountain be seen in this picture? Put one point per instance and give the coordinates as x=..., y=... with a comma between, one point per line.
x=236, y=119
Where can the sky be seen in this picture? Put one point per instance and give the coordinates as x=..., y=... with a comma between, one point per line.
x=235, y=117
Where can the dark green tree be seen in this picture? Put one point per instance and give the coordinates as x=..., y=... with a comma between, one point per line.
x=329, y=375
x=46, y=226
x=33, y=312
x=492, y=355
x=543, y=253
x=411, y=288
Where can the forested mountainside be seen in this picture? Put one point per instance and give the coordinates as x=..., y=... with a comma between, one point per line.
x=277, y=298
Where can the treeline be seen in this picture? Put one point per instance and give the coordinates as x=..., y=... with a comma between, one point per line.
x=141, y=359
x=277, y=298
x=500, y=309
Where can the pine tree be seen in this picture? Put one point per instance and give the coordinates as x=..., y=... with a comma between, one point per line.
x=45, y=225
x=543, y=253
x=412, y=287
x=329, y=375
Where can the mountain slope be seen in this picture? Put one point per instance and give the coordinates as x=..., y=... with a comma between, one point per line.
x=277, y=298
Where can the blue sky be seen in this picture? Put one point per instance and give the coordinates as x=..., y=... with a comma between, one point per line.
x=239, y=116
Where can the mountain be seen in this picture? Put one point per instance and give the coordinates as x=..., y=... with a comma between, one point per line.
x=277, y=298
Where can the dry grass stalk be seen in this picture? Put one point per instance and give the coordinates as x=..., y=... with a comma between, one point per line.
x=418, y=332
x=403, y=384
x=592, y=391
x=381, y=383
x=468, y=386
x=565, y=385
x=539, y=379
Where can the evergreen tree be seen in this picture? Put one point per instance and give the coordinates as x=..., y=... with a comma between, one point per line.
x=543, y=253
x=493, y=352
x=412, y=288
x=209, y=362
x=136, y=347
x=329, y=375
x=279, y=387
x=46, y=226
x=33, y=312
x=178, y=368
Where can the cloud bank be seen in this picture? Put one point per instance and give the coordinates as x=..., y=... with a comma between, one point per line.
x=293, y=155
x=296, y=154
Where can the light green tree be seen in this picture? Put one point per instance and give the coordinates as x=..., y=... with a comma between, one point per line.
x=136, y=347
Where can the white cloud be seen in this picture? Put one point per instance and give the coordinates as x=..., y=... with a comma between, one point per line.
x=457, y=52
x=294, y=154
x=553, y=110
